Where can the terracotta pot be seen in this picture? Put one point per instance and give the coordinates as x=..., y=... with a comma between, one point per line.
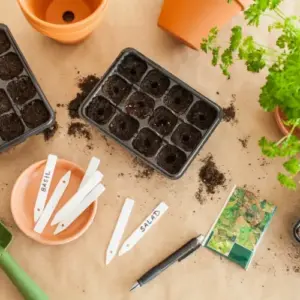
x=66, y=21
x=280, y=118
x=191, y=20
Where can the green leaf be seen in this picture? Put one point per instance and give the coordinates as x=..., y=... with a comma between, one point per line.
x=287, y=181
x=290, y=146
x=268, y=148
x=216, y=56
x=292, y=166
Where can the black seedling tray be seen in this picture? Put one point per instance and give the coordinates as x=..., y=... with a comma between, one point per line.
x=152, y=113
x=24, y=109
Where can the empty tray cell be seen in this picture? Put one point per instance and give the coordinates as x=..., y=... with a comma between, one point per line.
x=10, y=66
x=100, y=110
x=21, y=90
x=155, y=83
x=140, y=105
x=124, y=127
x=163, y=121
x=5, y=104
x=10, y=127
x=186, y=137
x=4, y=42
x=202, y=115
x=132, y=67
x=178, y=99
x=147, y=142
x=171, y=159
x=35, y=114
x=116, y=88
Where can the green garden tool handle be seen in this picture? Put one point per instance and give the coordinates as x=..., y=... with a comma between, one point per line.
x=26, y=286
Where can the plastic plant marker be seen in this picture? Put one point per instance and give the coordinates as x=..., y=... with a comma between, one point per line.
x=92, y=168
x=144, y=228
x=44, y=186
x=52, y=203
x=119, y=230
x=26, y=286
x=72, y=204
x=88, y=200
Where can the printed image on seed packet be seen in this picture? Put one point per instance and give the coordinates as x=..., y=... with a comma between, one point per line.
x=240, y=227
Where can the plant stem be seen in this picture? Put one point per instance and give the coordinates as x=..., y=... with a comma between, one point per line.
x=279, y=13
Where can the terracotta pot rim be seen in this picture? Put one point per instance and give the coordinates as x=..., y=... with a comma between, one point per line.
x=279, y=121
x=102, y=6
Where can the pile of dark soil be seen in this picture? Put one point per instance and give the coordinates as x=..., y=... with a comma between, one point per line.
x=10, y=127
x=79, y=130
x=229, y=112
x=124, y=127
x=11, y=66
x=163, y=121
x=155, y=83
x=5, y=104
x=85, y=84
x=35, y=114
x=50, y=132
x=244, y=142
x=4, y=42
x=140, y=105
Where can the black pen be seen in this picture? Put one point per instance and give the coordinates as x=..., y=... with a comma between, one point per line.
x=177, y=256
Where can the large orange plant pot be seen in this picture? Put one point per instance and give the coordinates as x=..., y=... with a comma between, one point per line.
x=191, y=20
x=66, y=21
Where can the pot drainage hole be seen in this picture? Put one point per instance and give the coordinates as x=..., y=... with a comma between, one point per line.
x=4, y=42
x=163, y=121
x=10, y=127
x=186, y=137
x=10, y=66
x=171, y=159
x=68, y=16
x=155, y=83
x=147, y=142
x=5, y=104
x=140, y=105
x=35, y=114
x=100, y=110
x=124, y=127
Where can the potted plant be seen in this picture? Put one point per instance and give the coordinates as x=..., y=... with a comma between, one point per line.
x=191, y=20
x=281, y=91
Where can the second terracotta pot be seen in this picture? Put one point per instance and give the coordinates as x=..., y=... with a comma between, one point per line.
x=191, y=20
x=66, y=21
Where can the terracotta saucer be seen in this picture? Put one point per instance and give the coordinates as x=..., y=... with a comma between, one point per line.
x=24, y=196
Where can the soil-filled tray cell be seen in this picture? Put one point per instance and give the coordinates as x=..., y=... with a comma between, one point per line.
x=178, y=99
x=21, y=90
x=5, y=104
x=35, y=114
x=163, y=121
x=171, y=159
x=155, y=83
x=100, y=110
x=147, y=142
x=202, y=115
x=123, y=127
x=140, y=105
x=4, y=42
x=132, y=67
x=186, y=137
x=11, y=127
x=116, y=88
x=10, y=66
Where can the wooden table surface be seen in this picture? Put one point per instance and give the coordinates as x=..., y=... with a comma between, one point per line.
x=77, y=271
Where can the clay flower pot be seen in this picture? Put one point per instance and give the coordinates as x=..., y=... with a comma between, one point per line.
x=65, y=21
x=191, y=20
x=280, y=118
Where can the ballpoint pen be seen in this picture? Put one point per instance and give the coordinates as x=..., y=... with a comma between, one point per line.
x=177, y=256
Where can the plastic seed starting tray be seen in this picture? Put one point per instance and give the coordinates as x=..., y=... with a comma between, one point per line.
x=152, y=113
x=24, y=110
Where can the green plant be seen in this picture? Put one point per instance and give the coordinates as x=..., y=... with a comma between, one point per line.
x=282, y=86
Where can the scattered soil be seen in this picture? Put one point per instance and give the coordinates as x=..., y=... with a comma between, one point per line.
x=171, y=159
x=186, y=137
x=202, y=115
x=244, y=142
x=116, y=88
x=4, y=42
x=60, y=105
x=100, y=110
x=178, y=99
x=5, y=104
x=145, y=171
x=10, y=66
x=229, y=113
x=147, y=142
x=35, y=114
x=10, y=127
x=163, y=121
x=132, y=68
x=79, y=130
x=155, y=83
x=140, y=105
x=263, y=162
x=50, y=132
x=21, y=90
x=124, y=127
x=85, y=84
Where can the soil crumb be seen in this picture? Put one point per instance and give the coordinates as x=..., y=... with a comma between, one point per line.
x=79, y=130
x=244, y=142
x=60, y=105
x=85, y=84
x=50, y=132
x=144, y=172
x=230, y=112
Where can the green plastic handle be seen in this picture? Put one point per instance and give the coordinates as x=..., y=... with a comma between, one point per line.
x=26, y=286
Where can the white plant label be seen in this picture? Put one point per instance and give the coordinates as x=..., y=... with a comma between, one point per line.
x=44, y=186
x=144, y=228
x=91, y=169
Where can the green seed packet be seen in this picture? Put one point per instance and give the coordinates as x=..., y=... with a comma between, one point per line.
x=240, y=227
